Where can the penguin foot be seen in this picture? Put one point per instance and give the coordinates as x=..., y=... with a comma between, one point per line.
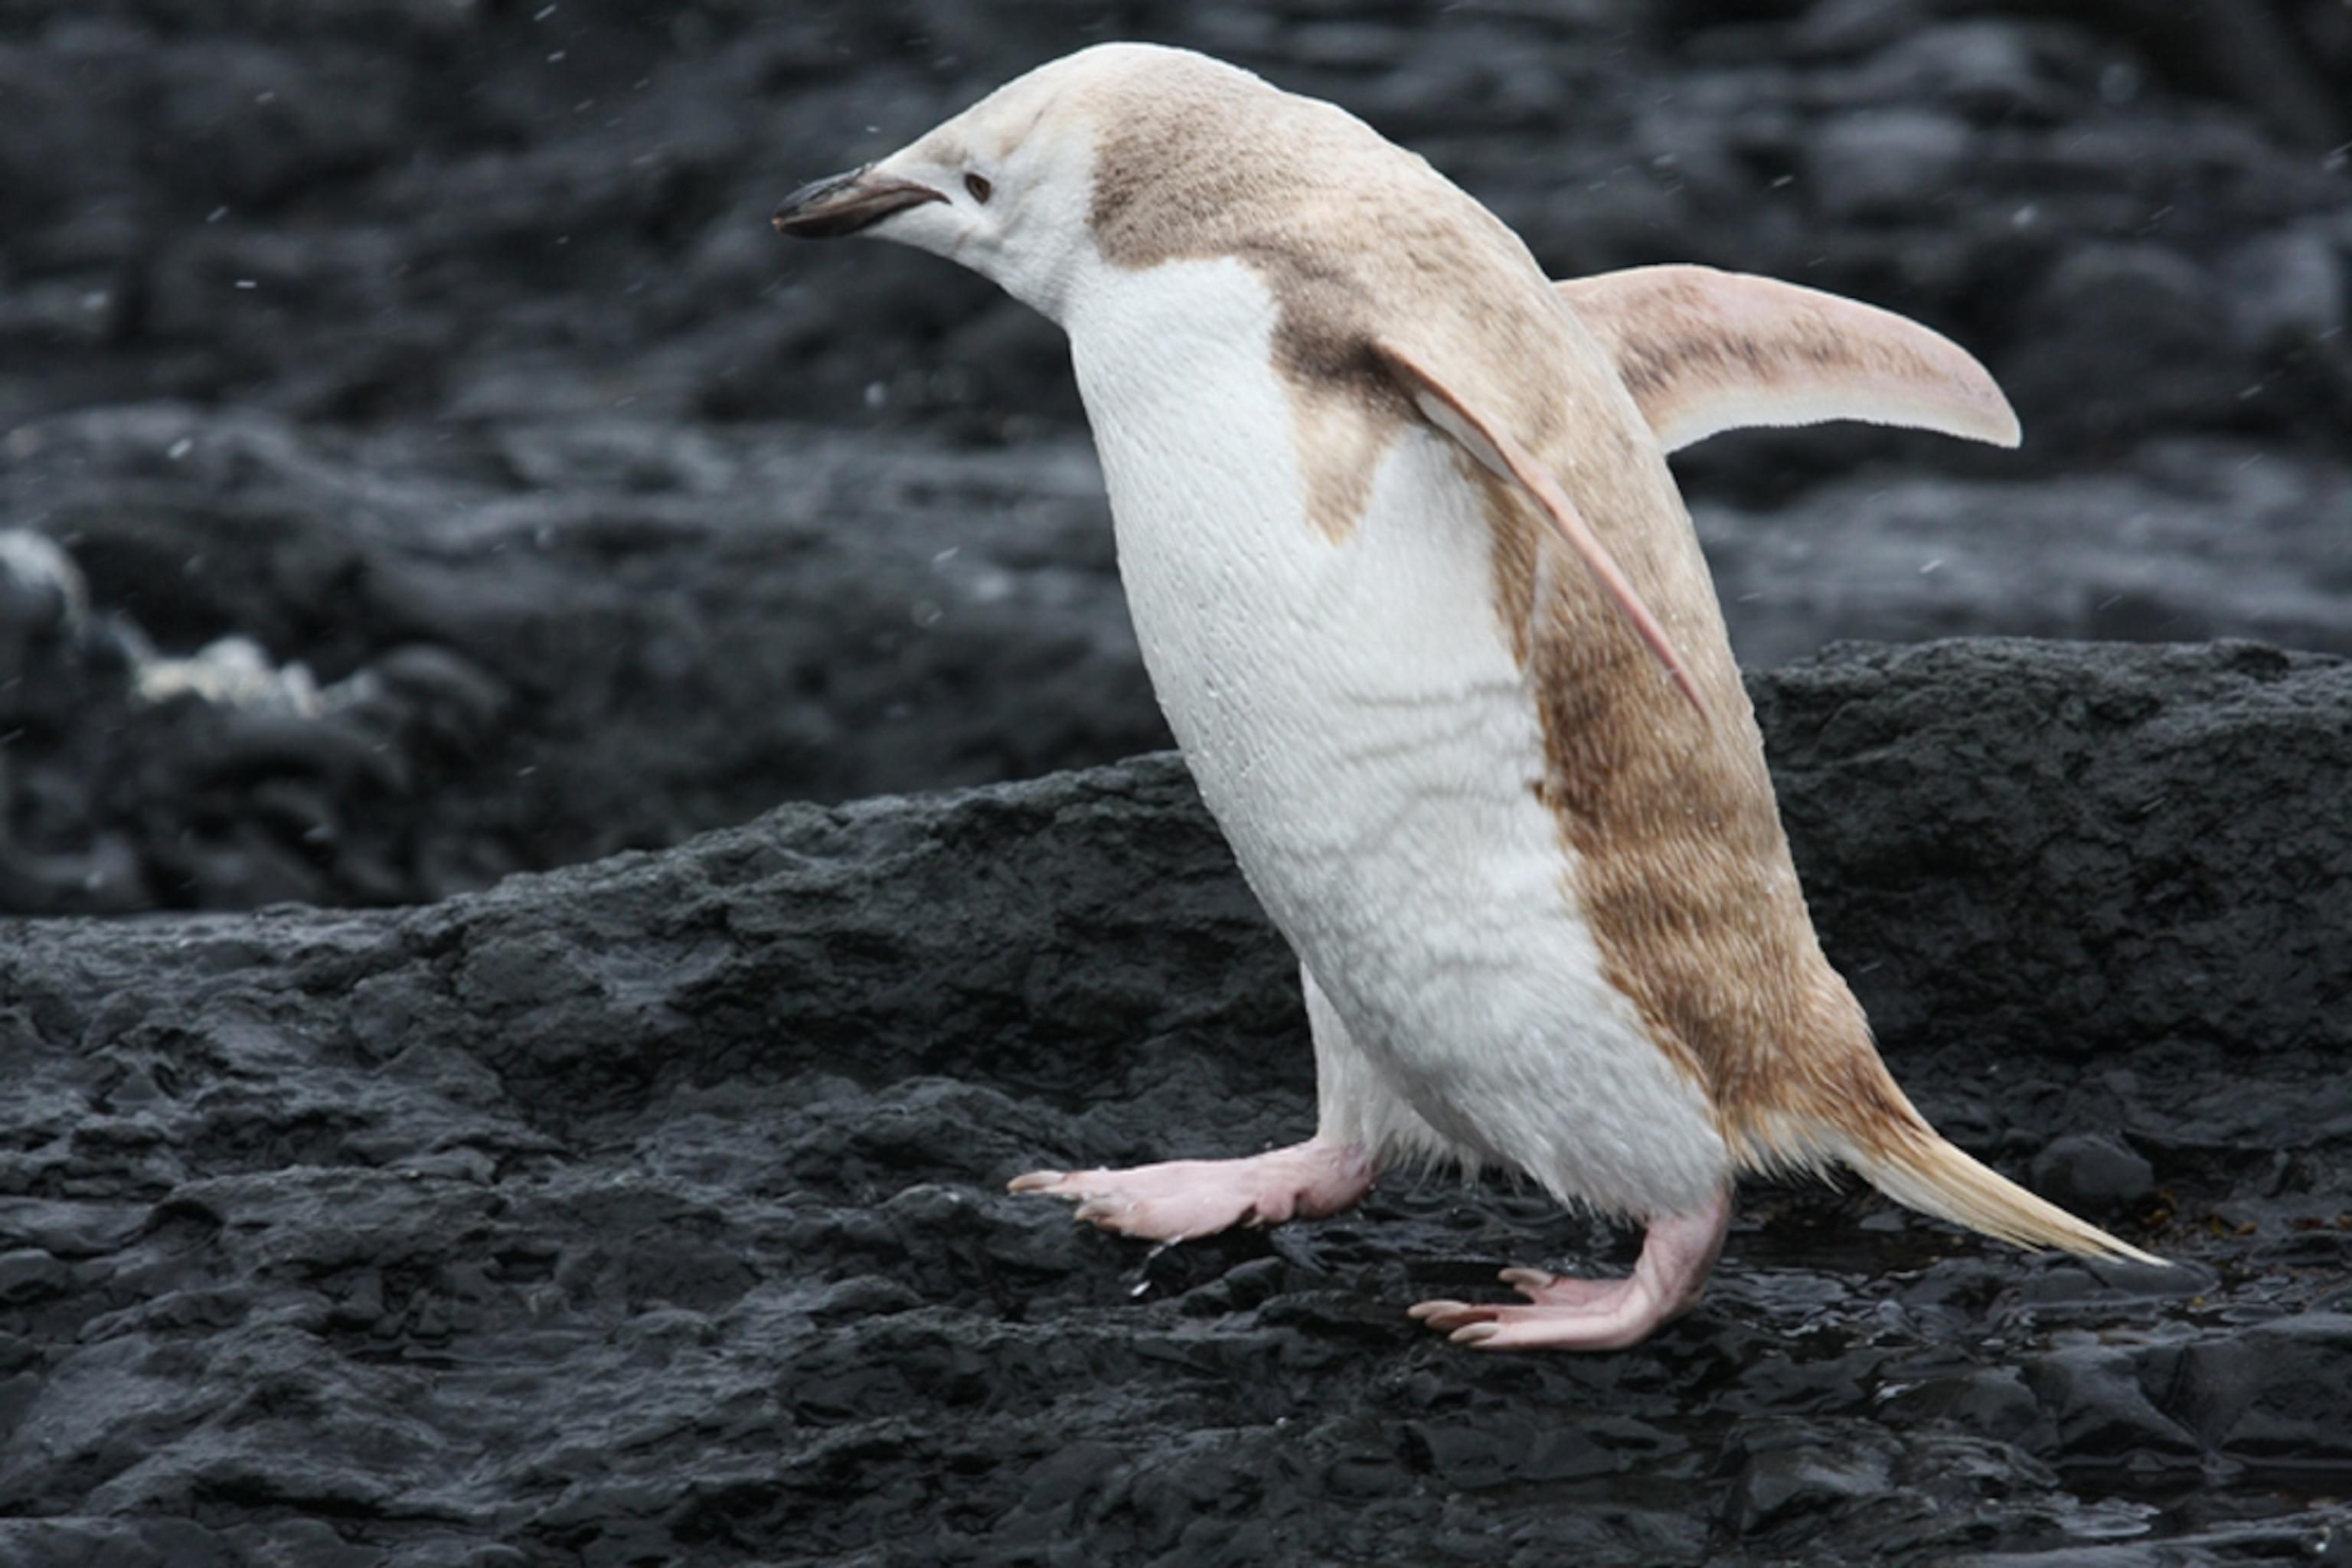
x=1184, y=1198
x=1567, y=1313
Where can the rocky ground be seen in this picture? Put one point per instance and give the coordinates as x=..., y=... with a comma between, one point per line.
x=651, y=1210
x=439, y=356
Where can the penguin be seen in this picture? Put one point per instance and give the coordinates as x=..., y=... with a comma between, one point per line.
x=1421, y=604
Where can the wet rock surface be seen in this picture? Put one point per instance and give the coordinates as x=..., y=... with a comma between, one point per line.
x=652, y=1210
x=445, y=347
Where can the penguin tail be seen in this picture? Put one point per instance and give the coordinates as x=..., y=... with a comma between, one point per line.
x=1841, y=1106
x=1917, y=1167
x=1859, y=1118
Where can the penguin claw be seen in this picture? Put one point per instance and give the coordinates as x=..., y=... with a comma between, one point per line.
x=1561, y=1291
x=1444, y=1315
x=1036, y=1181
x=1468, y=1323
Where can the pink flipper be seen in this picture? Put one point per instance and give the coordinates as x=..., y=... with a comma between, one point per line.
x=1186, y=1198
x=1596, y=1314
x=1504, y=457
x=1702, y=351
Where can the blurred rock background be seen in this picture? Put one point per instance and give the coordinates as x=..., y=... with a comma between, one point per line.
x=443, y=349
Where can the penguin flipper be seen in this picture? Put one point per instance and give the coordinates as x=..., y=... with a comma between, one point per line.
x=1704, y=352
x=1504, y=457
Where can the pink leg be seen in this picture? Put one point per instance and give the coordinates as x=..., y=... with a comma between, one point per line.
x=1186, y=1198
x=1597, y=1314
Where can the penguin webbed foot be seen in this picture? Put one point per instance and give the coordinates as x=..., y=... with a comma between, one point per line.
x=1568, y=1313
x=1181, y=1199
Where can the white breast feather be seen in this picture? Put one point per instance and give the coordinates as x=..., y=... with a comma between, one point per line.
x=1356, y=723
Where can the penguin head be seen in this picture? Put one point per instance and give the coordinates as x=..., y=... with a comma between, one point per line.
x=1009, y=187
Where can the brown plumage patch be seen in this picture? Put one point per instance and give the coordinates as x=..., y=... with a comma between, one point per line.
x=1657, y=364
x=1681, y=867
x=1209, y=161
x=1682, y=338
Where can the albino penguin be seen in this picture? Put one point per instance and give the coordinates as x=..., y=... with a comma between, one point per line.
x=1425, y=613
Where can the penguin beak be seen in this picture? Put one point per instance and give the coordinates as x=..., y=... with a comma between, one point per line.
x=842, y=205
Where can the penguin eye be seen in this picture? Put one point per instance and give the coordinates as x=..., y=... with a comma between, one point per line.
x=979, y=187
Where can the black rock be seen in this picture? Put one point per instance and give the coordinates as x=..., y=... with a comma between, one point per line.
x=2093, y=1175
x=2272, y=1400
x=652, y=1208
x=643, y=635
